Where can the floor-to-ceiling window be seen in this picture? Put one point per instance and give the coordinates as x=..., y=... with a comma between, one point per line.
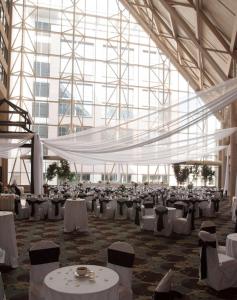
x=81, y=64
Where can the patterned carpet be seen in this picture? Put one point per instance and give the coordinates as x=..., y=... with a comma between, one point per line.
x=154, y=255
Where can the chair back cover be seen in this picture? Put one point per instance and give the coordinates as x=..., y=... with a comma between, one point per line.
x=209, y=255
x=44, y=258
x=121, y=259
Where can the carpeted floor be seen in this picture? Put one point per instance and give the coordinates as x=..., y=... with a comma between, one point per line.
x=154, y=255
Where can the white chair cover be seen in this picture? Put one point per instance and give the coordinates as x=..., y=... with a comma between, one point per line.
x=233, y=208
x=183, y=225
x=121, y=211
x=44, y=258
x=148, y=217
x=216, y=269
x=120, y=259
x=163, y=222
x=106, y=209
x=22, y=212
x=38, y=208
x=55, y=209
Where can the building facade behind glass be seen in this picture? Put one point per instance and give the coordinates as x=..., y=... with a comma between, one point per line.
x=81, y=64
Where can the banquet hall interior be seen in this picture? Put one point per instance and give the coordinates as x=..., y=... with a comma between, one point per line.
x=118, y=149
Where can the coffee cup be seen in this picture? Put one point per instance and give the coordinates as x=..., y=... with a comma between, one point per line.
x=82, y=271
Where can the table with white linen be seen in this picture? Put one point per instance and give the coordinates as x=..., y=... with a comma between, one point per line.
x=75, y=215
x=8, y=238
x=231, y=245
x=62, y=284
x=7, y=202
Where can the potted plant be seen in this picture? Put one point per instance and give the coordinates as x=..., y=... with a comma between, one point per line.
x=51, y=171
x=181, y=174
x=207, y=174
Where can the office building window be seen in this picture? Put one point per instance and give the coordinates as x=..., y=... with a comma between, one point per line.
x=63, y=130
x=42, y=130
x=41, y=89
x=42, y=69
x=40, y=109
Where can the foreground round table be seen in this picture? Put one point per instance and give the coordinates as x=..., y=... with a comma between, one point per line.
x=8, y=238
x=231, y=245
x=61, y=284
x=75, y=215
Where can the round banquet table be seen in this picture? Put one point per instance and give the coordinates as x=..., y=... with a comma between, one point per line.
x=231, y=245
x=61, y=284
x=8, y=238
x=75, y=215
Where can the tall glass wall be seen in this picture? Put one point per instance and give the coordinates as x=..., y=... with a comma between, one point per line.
x=81, y=64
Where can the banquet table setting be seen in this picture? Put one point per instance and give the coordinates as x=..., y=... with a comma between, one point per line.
x=67, y=283
x=163, y=211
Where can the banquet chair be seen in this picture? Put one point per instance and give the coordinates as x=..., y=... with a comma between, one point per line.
x=131, y=207
x=148, y=217
x=37, y=208
x=163, y=223
x=184, y=225
x=44, y=258
x=2, y=292
x=210, y=227
x=233, y=208
x=55, y=209
x=163, y=290
x=89, y=198
x=181, y=209
x=121, y=259
x=216, y=269
x=106, y=208
x=206, y=208
x=147, y=208
x=121, y=211
x=21, y=212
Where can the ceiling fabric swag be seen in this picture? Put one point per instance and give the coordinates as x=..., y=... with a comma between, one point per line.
x=151, y=128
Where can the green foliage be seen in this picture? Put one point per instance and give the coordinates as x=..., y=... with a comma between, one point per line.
x=181, y=174
x=51, y=171
x=207, y=173
x=62, y=170
x=195, y=171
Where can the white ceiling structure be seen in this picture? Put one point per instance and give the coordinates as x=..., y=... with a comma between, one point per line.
x=199, y=36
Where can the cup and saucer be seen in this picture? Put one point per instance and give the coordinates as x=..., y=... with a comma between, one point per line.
x=84, y=272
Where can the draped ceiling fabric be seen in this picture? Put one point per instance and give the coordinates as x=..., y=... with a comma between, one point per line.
x=11, y=147
x=160, y=136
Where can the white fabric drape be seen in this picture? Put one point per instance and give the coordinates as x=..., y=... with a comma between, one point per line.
x=11, y=148
x=226, y=185
x=38, y=165
x=151, y=128
x=165, y=151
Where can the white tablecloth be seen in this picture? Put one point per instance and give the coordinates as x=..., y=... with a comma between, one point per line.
x=75, y=215
x=7, y=202
x=231, y=245
x=61, y=284
x=8, y=238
